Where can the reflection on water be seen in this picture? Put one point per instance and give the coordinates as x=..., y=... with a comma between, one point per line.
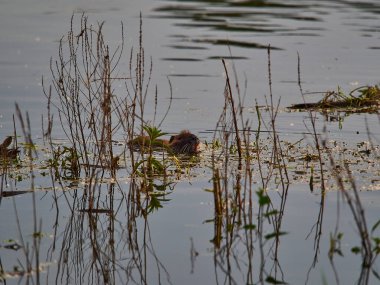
x=244, y=22
x=243, y=18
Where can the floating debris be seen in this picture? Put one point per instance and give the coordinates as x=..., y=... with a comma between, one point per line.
x=366, y=101
x=13, y=193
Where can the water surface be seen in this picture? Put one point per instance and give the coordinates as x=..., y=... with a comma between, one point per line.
x=338, y=45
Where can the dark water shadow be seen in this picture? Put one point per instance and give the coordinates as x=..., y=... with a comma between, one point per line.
x=209, y=22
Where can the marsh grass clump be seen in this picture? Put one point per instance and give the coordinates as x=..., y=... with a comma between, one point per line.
x=92, y=111
x=65, y=162
x=244, y=167
x=82, y=78
x=111, y=176
x=249, y=162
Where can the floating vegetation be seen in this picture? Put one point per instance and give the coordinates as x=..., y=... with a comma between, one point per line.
x=13, y=193
x=365, y=99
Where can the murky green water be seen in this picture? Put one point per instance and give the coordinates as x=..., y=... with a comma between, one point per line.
x=338, y=45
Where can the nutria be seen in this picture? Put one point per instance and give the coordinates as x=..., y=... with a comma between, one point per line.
x=183, y=143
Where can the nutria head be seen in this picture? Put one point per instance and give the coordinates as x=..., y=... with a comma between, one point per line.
x=185, y=142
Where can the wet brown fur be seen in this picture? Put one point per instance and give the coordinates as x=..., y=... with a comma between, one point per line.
x=185, y=143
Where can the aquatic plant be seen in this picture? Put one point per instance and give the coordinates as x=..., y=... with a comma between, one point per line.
x=366, y=101
x=235, y=195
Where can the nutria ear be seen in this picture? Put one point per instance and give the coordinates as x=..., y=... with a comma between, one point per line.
x=171, y=139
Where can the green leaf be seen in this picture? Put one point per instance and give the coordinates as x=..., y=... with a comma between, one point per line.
x=209, y=190
x=272, y=280
x=271, y=213
x=376, y=240
x=153, y=132
x=137, y=164
x=355, y=250
x=376, y=274
x=157, y=165
x=375, y=226
x=338, y=251
x=162, y=187
x=37, y=235
x=250, y=227
x=263, y=198
x=275, y=234
x=154, y=204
